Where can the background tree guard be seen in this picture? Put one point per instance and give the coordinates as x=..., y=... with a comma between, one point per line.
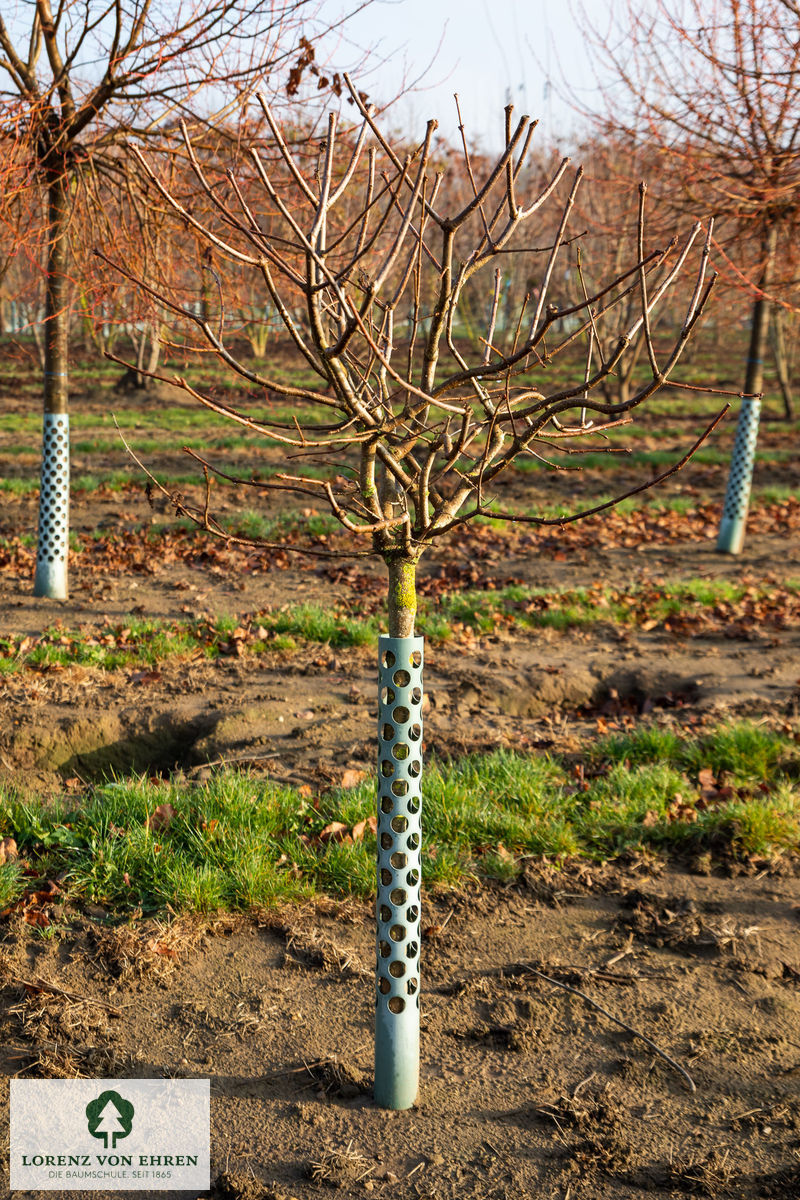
x=398, y=901
x=53, y=538
x=737, y=495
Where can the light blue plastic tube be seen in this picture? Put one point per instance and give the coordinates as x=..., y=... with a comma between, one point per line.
x=53, y=540
x=737, y=495
x=398, y=903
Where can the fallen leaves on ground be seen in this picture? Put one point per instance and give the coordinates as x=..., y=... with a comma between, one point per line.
x=161, y=817
x=36, y=905
x=8, y=850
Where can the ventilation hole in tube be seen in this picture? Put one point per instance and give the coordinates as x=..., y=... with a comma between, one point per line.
x=414, y=769
x=387, y=804
x=397, y=895
x=387, y=732
x=416, y=658
x=386, y=877
x=415, y=733
x=384, y=949
x=400, y=787
x=400, y=824
x=416, y=695
x=385, y=912
x=397, y=933
x=397, y=1004
x=412, y=950
x=387, y=695
x=413, y=839
x=384, y=986
x=400, y=750
x=413, y=804
x=397, y=969
x=401, y=714
x=412, y=878
x=399, y=860
x=412, y=914
x=411, y=986
x=388, y=659
x=387, y=768
x=401, y=678
x=387, y=841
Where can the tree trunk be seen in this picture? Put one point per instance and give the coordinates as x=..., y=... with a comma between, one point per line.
x=740, y=477
x=53, y=541
x=759, y=321
x=402, y=596
x=782, y=362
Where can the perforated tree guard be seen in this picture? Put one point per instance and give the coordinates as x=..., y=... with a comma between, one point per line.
x=53, y=540
x=399, y=836
x=737, y=495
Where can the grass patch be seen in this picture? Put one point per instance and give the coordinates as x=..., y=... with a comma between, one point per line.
x=749, y=753
x=237, y=841
x=143, y=642
x=147, y=642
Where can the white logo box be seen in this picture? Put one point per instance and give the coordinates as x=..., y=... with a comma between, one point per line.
x=110, y=1135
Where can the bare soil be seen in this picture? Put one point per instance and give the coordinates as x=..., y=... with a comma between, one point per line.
x=527, y=1090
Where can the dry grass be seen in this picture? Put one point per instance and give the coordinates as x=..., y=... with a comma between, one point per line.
x=340, y=1167
x=152, y=948
x=313, y=948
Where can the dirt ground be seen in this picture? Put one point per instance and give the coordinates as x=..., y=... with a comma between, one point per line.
x=307, y=715
x=528, y=1090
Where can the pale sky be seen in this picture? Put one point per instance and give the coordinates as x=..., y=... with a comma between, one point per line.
x=489, y=51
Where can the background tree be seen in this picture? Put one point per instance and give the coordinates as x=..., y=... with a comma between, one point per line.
x=407, y=436
x=74, y=83
x=713, y=87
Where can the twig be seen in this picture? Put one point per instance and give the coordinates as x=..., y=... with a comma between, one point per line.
x=224, y=762
x=41, y=985
x=617, y=1021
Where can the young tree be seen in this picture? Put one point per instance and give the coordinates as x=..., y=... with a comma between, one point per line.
x=78, y=80
x=713, y=87
x=420, y=430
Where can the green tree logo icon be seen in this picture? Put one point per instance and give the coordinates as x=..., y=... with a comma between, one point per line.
x=109, y=1116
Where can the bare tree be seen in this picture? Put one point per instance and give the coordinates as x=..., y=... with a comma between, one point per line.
x=713, y=85
x=78, y=80
x=420, y=429
x=712, y=88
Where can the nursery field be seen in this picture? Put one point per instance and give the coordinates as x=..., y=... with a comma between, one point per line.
x=611, y=950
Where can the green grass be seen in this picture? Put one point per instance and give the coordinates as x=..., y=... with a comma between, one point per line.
x=748, y=752
x=148, y=642
x=540, y=608
x=238, y=841
x=144, y=642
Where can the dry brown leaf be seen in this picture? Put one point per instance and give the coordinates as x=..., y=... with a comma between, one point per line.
x=337, y=831
x=351, y=777
x=8, y=850
x=361, y=827
x=161, y=817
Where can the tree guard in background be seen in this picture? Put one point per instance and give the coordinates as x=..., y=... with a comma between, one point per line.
x=737, y=495
x=51, y=579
